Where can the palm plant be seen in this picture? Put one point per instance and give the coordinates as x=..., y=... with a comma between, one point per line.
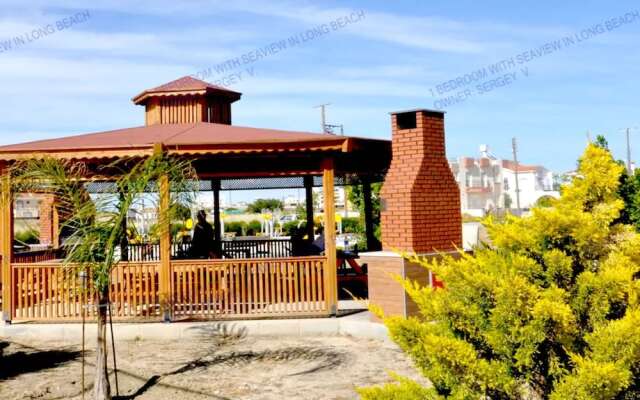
x=96, y=225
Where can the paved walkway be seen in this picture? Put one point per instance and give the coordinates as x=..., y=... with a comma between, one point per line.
x=357, y=324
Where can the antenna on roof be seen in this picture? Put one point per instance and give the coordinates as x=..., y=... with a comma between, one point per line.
x=328, y=128
x=323, y=116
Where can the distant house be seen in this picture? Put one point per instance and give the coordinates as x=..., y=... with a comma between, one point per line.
x=27, y=206
x=488, y=183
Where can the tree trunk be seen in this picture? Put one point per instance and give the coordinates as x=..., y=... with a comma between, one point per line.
x=101, y=388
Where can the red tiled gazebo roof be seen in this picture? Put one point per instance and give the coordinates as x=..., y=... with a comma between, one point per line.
x=184, y=86
x=197, y=138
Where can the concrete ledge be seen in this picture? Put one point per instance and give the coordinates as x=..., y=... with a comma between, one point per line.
x=357, y=325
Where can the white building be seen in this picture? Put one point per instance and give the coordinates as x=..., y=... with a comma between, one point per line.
x=340, y=197
x=488, y=183
x=27, y=206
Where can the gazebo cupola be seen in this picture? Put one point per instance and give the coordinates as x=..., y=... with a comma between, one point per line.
x=187, y=100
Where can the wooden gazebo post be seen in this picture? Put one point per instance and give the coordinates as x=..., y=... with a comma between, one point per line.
x=6, y=243
x=308, y=190
x=217, y=225
x=368, y=215
x=164, y=275
x=331, y=281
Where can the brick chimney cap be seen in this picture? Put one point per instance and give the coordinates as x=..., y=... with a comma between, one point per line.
x=416, y=110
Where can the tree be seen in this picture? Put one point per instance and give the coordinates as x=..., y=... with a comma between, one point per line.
x=507, y=201
x=355, y=195
x=265, y=204
x=551, y=311
x=96, y=224
x=629, y=190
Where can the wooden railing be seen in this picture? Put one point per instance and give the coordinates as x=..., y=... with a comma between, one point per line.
x=256, y=248
x=199, y=289
x=231, y=249
x=47, y=291
x=37, y=256
x=214, y=289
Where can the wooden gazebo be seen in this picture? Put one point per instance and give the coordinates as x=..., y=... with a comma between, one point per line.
x=192, y=119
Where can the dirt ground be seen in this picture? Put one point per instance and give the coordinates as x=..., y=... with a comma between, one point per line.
x=209, y=367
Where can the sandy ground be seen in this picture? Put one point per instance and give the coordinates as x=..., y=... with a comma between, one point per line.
x=210, y=367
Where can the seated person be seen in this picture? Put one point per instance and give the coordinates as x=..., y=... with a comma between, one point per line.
x=318, y=243
x=202, y=242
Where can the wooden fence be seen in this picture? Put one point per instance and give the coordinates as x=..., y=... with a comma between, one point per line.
x=231, y=249
x=37, y=256
x=240, y=288
x=47, y=291
x=200, y=289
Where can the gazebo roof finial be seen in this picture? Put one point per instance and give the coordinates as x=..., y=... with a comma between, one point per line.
x=187, y=100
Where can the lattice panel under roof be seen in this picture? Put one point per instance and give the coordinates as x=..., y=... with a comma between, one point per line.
x=284, y=182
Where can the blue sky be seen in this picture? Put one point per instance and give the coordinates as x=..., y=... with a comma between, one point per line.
x=81, y=79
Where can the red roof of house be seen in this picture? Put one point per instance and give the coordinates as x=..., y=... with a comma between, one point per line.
x=187, y=138
x=186, y=84
x=508, y=164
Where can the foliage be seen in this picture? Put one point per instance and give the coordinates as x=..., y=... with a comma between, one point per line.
x=96, y=224
x=27, y=236
x=264, y=204
x=352, y=225
x=404, y=389
x=301, y=211
x=508, y=202
x=182, y=212
x=243, y=228
x=254, y=226
x=237, y=227
x=356, y=197
x=629, y=190
x=551, y=311
x=545, y=201
x=288, y=228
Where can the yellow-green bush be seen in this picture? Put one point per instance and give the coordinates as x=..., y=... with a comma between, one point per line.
x=549, y=311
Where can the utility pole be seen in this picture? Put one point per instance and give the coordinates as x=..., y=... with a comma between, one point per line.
x=627, y=132
x=628, y=154
x=515, y=161
x=323, y=116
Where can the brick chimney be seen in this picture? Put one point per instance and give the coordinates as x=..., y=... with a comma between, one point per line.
x=48, y=220
x=420, y=197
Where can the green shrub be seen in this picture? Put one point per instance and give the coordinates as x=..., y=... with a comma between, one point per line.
x=254, y=226
x=550, y=312
x=28, y=236
x=352, y=225
x=290, y=226
x=237, y=227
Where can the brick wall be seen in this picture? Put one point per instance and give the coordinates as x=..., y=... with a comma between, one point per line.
x=421, y=200
x=46, y=219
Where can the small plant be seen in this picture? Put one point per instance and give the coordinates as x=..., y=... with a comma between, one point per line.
x=97, y=224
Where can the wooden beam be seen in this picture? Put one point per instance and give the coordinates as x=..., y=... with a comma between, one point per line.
x=124, y=244
x=331, y=282
x=217, y=226
x=372, y=242
x=164, y=275
x=6, y=244
x=55, y=221
x=308, y=190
